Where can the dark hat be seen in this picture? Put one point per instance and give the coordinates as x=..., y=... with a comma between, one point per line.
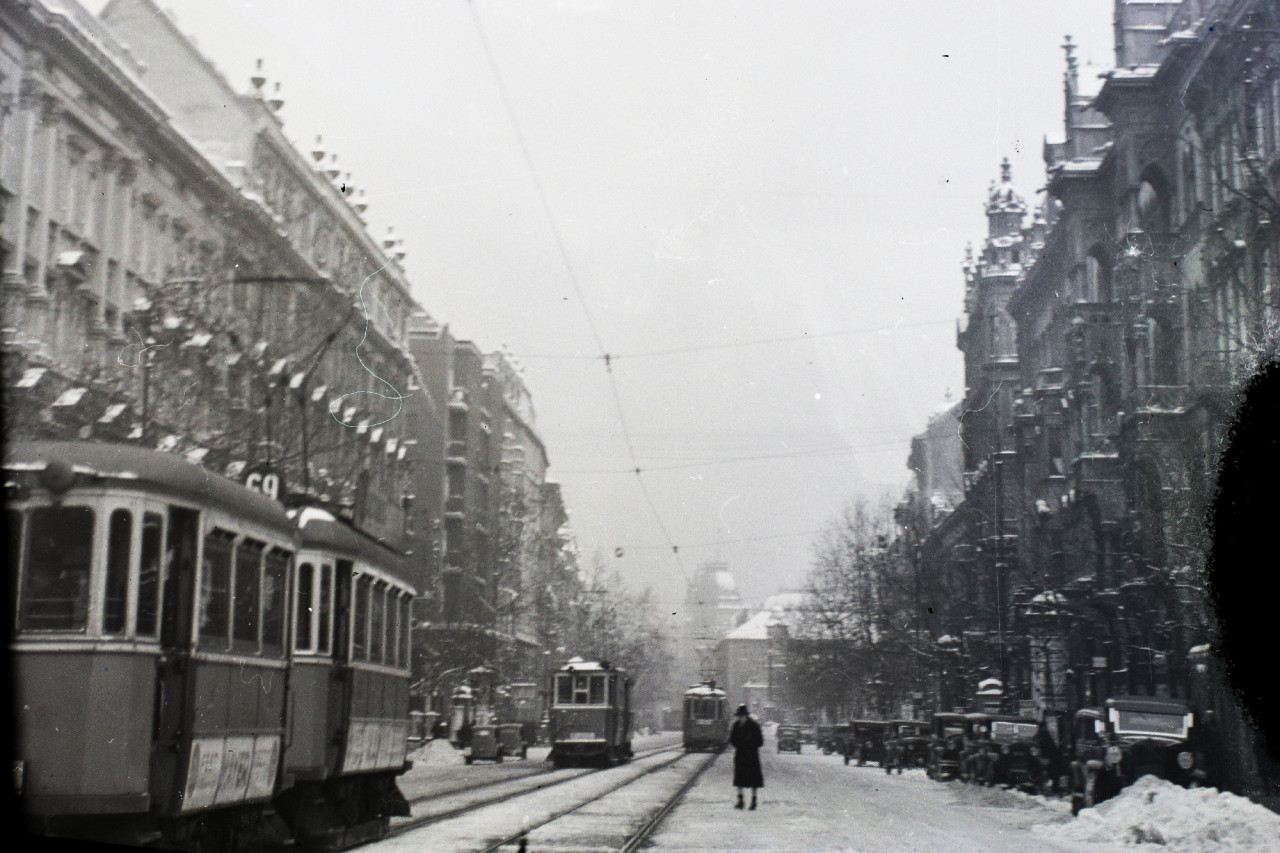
x=741, y=712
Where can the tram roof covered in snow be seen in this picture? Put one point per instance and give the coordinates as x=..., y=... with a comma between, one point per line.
x=709, y=691
x=321, y=529
x=580, y=665
x=62, y=465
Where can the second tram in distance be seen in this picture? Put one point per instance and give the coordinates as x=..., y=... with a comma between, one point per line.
x=706, y=717
x=590, y=714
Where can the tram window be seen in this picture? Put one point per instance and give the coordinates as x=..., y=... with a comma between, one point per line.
x=326, y=607
x=360, y=619
x=119, y=545
x=377, y=621
x=248, y=590
x=306, y=611
x=55, y=588
x=13, y=536
x=597, y=690
x=215, y=589
x=564, y=689
x=406, y=631
x=149, y=574
x=275, y=569
x=395, y=624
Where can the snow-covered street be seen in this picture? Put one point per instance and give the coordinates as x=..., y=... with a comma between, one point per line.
x=814, y=802
x=811, y=802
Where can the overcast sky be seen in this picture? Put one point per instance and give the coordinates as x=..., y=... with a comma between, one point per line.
x=758, y=208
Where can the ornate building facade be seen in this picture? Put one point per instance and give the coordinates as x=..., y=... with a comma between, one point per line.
x=197, y=286
x=1106, y=333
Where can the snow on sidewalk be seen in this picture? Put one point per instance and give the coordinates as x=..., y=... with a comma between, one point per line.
x=1157, y=812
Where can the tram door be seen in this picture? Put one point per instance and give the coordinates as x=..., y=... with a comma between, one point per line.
x=341, y=685
x=177, y=606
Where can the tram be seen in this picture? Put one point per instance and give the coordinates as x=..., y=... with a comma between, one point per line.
x=590, y=714
x=180, y=677
x=706, y=717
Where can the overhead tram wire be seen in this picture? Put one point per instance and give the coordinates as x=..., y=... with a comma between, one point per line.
x=609, y=358
x=573, y=278
x=803, y=454
x=740, y=541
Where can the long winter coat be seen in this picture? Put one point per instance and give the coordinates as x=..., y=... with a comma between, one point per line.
x=747, y=739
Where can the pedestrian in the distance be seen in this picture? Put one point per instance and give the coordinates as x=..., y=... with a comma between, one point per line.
x=747, y=738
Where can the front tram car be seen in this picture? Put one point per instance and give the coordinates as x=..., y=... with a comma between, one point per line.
x=706, y=717
x=155, y=698
x=590, y=714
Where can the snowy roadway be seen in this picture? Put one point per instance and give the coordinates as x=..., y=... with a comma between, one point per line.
x=813, y=802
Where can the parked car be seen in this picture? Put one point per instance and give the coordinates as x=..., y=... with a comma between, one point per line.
x=1131, y=737
x=977, y=730
x=1018, y=753
x=824, y=739
x=842, y=740
x=946, y=743
x=484, y=746
x=511, y=740
x=868, y=741
x=789, y=739
x=906, y=744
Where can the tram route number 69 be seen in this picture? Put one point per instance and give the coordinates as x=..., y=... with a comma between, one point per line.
x=266, y=482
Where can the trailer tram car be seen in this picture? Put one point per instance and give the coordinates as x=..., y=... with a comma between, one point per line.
x=706, y=718
x=181, y=679
x=590, y=714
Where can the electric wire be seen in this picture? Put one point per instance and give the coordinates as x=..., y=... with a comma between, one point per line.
x=807, y=336
x=569, y=269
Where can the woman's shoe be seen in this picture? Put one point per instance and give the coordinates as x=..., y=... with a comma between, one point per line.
x=753, y=806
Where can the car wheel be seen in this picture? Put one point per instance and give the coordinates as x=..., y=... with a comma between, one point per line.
x=467, y=759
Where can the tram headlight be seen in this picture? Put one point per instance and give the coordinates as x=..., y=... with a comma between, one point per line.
x=1113, y=755
x=1185, y=760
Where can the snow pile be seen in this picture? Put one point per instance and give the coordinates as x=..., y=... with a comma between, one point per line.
x=1155, y=811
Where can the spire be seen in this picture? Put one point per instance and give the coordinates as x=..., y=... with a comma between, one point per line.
x=1072, y=76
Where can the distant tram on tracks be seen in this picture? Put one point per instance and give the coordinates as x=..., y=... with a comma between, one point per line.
x=590, y=715
x=193, y=666
x=706, y=717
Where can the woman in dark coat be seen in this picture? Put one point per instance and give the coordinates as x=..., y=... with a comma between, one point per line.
x=747, y=739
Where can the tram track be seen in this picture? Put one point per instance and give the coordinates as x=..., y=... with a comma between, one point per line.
x=415, y=822
x=636, y=838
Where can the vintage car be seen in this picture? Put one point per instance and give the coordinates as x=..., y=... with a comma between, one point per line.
x=511, y=740
x=946, y=744
x=977, y=731
x=484, y=746
x=842, y=740
x=1131, y=737
x=789, y=739
x=1018, y=752
x=866, y=741
x=906, y=744
x=824, y=739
